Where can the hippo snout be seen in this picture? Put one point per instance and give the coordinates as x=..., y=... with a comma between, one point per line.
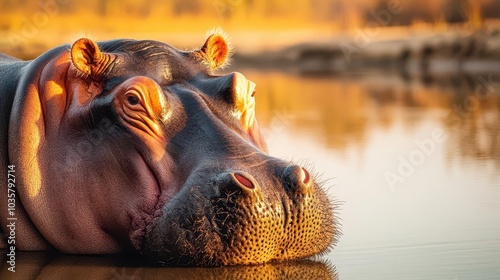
x=243, y=217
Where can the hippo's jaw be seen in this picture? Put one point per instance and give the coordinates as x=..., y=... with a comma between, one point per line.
x=234, y=220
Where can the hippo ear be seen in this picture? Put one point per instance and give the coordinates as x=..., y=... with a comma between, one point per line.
x=216, y=51
x=88, y=58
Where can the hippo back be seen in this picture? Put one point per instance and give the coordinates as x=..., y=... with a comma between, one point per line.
x=10, y=72
x=7, y=58
x=10, y=68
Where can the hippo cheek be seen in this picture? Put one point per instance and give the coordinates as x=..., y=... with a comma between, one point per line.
x=236, y=221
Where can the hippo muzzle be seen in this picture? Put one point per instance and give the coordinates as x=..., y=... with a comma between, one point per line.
x=233, y=218
x=135, y=146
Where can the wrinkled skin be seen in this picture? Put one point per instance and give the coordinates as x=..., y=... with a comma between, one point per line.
x=134, y=146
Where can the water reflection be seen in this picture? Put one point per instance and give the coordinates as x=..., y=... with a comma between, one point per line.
x=342, y=110
x=39, y=265
x=440, y=218
x=441, y=221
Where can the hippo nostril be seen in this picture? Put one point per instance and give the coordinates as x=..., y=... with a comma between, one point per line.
x=296, y=178
x=243, y=180
x=305, y=176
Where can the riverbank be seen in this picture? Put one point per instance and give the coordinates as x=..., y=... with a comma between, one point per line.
x=414, y=50
x=435, y=53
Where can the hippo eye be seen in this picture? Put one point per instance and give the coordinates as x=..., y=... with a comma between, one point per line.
x=132, y=100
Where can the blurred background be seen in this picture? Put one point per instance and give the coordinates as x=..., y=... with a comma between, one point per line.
x=351, y=89
x=30, y=26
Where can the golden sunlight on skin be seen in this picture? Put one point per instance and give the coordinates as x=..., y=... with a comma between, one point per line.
x=54, y=95
x=143, y=116
x=37, y=125
x=31, y=132
x=53, y=90
x=34, y=185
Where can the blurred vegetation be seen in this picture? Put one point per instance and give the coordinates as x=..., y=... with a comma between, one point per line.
x=341, y=111
x=243, y=13
x=29, y=27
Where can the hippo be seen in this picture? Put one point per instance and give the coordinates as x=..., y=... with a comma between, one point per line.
x=135, y=146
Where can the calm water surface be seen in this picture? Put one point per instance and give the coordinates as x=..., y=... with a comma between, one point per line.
x=415, y=163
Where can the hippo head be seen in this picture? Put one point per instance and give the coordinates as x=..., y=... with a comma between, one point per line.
x=135, y=145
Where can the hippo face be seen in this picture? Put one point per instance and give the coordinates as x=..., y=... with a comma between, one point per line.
x=135, y=145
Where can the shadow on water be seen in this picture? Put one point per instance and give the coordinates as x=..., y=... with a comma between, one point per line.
x=39, y=265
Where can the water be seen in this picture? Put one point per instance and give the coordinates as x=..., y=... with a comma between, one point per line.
x=415, y=163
